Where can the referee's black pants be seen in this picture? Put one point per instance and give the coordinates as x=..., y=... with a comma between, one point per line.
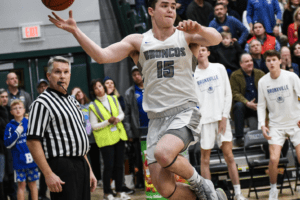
x=74, y=171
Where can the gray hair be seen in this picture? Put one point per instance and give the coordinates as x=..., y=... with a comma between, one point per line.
x=57, y=59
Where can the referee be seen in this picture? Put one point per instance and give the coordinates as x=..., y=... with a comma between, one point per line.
x=57, y=138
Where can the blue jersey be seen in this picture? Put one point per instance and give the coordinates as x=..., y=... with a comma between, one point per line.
x=16, y=142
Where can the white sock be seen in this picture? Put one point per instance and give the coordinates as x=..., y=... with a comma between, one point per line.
x=195, y=177
x=237, y=189
x=274, y=186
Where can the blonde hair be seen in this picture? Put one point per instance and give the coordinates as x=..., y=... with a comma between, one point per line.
x=226, y=34
x=296, y=13
x=16, y=102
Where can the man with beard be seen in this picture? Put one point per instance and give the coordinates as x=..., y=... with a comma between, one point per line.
x=230, y=24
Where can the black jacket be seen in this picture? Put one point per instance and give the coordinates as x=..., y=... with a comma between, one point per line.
x=3, y=122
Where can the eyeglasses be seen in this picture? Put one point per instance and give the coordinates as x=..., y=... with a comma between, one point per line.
x=18, y=108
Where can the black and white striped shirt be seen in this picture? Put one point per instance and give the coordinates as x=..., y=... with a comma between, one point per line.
x=56, y=119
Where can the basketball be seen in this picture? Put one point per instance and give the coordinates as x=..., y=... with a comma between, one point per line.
x=57, y=5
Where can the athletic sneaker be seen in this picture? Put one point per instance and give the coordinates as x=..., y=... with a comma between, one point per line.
x=109, y=197
x=204, y=189
x=221, y=194
x=273, y=194
x=239, y=197
x=123, y=196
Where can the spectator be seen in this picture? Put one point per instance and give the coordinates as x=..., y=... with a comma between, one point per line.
x=109, y=85
x=181, y=7
x=276, y=32
x=255, y=49
x=293, y=28
x=244, y=84
x=42, y=85
x=14, y=92
x=288, y=15
x=295, y=50
x=112, y=90
x=263, y=11
x=284, y=42
x=267, y=41
x=94, y=152
x=136, y=118
x=3, y=122
x=227, y=53
x=215, y=98
x=106, y=117
x=279, y=94
x=228, y=24
x=10, y=188
x=57, y=138
x=238, y=5
x=286, y=61
x=229, y=11
x=15, y=140
x=199, y=10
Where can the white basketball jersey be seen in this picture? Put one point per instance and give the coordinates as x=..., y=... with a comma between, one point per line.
x=167, y=71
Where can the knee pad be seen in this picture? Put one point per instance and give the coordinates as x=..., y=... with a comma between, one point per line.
x=171, y=162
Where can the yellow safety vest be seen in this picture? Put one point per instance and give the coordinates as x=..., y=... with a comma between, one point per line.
x=110, y=134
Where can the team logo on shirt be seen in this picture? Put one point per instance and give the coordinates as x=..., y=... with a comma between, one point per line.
x=279, y=93
x=208, y=84
x=269, y=1
x=165, y=53
x=280, y=99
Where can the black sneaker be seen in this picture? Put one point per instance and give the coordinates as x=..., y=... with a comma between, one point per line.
x=127, y=190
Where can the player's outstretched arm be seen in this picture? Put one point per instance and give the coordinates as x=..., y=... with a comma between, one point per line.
x=113, y=53
x=198, y=34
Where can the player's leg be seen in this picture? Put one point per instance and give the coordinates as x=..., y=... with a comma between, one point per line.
x=21, y=190
x=164, y=181
x=166, y=154
x=229, y=158
x=33, y=189
x=275, y=151
x=205, y=158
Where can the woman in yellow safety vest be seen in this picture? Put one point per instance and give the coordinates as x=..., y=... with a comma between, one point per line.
x=105, y=116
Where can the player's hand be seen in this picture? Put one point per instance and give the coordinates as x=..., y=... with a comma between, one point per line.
x=116, y=121
x=222, y=125
x=111, y=119
x=252, y=105
x=189, y=26
x=298, y=123
x=68, y=25
x=93, y=181
x=54, y=183
x=265, y=132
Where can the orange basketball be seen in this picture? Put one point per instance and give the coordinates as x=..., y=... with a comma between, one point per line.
x=57, y=5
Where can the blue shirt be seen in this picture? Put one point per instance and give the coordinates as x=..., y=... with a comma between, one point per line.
x=235, y=27
x=16, y=142
x=263, y=11
x=251, y=91
x=139, y=93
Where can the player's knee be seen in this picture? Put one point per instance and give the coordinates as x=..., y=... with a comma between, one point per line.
x=229, y=158
x=162, y=157
x=205, y=160
x=274, y=160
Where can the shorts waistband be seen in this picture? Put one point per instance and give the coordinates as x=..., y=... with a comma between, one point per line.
x=171, y=111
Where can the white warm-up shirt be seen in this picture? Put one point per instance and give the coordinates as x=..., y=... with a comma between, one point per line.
x=280, y=96
x=213, y=92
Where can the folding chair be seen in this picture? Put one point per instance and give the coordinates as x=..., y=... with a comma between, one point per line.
x=257, y=168
x=297, y=165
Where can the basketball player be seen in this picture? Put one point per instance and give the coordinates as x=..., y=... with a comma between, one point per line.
x=279, y=91
x=215, y=99
x=165, y=58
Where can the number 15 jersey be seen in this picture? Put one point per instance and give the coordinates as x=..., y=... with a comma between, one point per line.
x=167, y=71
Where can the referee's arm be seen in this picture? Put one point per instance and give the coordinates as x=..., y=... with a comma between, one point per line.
x=51, y=179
